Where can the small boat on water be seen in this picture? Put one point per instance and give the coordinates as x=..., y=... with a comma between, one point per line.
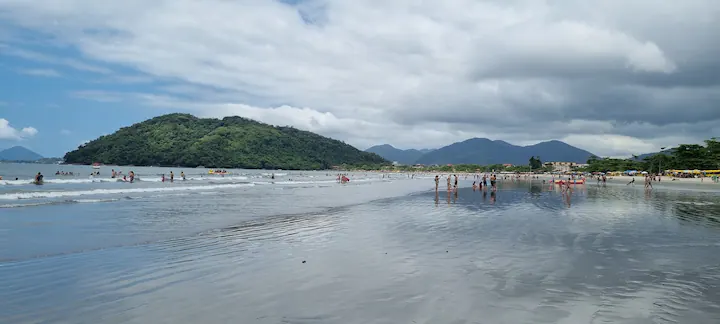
x=217, y=171
x=96, y=165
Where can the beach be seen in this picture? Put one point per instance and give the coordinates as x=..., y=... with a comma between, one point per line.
x=303, y=248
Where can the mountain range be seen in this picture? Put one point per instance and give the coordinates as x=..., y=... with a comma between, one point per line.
x=397, y=155
x=484, y=151
x=19, y=153
x=641, y=157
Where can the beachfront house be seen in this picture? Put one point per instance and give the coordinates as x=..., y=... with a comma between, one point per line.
x=563, y=166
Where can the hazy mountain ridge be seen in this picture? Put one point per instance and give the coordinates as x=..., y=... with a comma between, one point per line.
x=391, y=153
x=19, y=153
x=647, y=155
x=485, y=152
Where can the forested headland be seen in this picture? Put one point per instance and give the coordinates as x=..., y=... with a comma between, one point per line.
x=231, y=142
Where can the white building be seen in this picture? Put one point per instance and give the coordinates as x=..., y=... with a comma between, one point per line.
x=564, y=166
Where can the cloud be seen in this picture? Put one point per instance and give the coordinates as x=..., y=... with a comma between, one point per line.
x=65, y=132
x=43, y=58
x=409, y=73
x=40, y=72
x=7, y=132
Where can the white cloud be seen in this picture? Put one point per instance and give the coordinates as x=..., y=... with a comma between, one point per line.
x=65, y=132
x=415, y=74
x=8, y=132
x=40, y=72
x=39, y=57
x=28, y=132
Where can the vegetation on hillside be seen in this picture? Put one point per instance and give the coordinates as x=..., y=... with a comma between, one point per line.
x=232, y=142
x=683, y=157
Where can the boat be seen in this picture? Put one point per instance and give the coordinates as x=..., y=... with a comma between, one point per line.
x=96, y=165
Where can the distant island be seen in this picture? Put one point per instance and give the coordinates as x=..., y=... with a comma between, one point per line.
x=232, y=142
x=19, y=154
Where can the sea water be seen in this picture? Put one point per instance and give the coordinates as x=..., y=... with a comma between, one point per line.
x=301, y=248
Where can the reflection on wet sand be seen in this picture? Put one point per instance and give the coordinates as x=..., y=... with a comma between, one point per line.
x=528, y=257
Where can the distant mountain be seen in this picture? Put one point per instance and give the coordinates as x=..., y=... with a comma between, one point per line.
x=391, y=153
x=641, y=157
x=485, y=152
x=19, y=153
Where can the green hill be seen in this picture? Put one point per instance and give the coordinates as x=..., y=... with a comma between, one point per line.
x=232, y=142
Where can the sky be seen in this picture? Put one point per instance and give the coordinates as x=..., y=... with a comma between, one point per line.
x=613, y=77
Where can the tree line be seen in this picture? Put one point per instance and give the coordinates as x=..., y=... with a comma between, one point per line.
x=534, y=165
x=683, y=157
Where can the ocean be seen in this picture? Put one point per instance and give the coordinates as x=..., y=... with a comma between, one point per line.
x=302, y=248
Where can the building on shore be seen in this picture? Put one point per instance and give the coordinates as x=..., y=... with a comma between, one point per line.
x=564, y=166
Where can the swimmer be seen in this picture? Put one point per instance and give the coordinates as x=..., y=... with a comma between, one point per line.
x=39, y=178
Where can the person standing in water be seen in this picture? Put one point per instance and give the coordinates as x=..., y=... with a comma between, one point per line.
x=437, y=182
x=456, y=183
x=39, y=178
x=449, y=183
x=182, y=175
x=493, y=182
x=132, y=176
x=172, y=176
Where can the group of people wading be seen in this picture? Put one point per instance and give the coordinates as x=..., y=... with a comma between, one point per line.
x=481, y=184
